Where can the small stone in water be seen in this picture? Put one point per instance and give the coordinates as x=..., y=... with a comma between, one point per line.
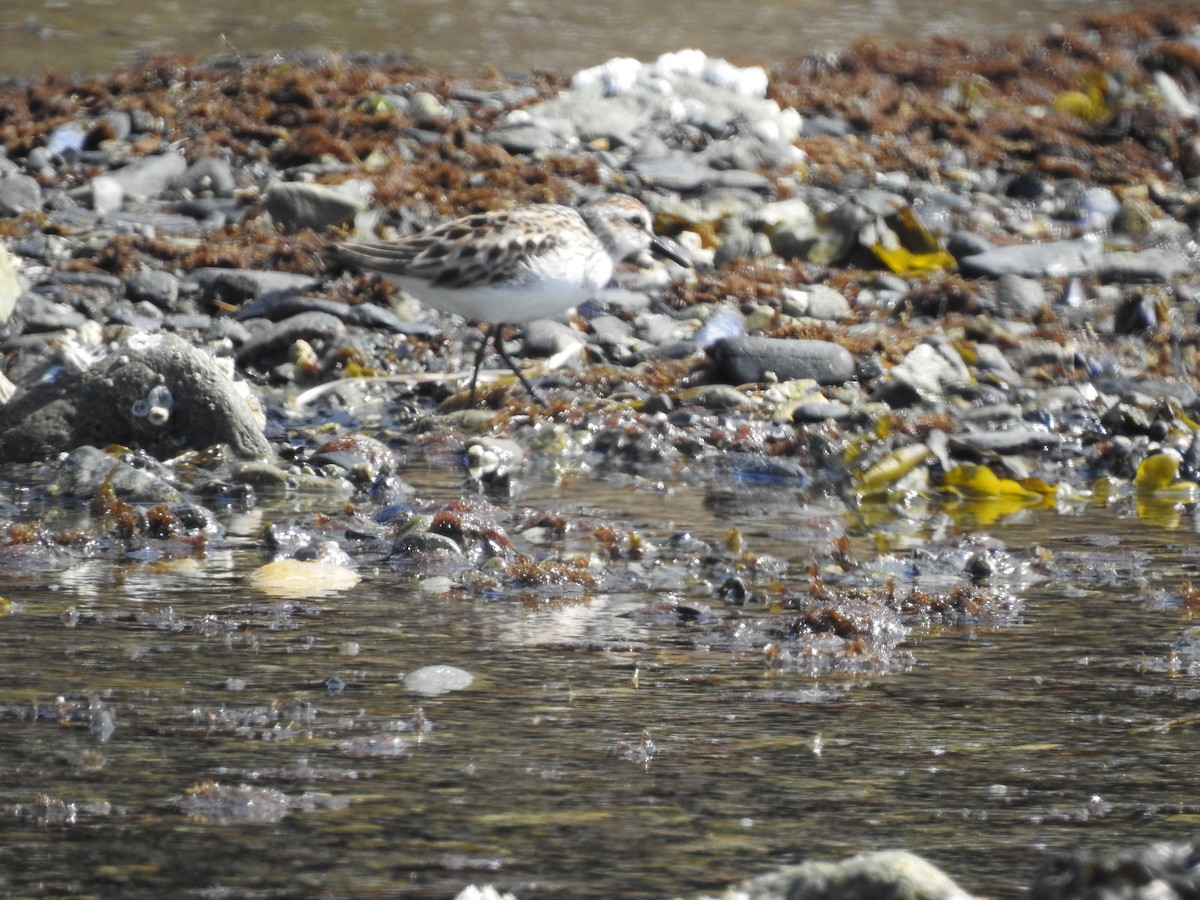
x=433, y=680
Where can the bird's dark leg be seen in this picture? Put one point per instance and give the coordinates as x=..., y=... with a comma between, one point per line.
x=512, y=365
x=493, y=334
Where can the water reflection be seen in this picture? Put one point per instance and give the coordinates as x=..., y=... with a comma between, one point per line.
x=466, y=36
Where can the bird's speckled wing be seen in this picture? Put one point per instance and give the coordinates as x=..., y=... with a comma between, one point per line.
x=492, y=248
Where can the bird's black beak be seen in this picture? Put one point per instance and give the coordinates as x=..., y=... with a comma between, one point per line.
x=673, y=251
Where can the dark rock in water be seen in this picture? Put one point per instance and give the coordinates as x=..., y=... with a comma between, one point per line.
x=86, y=470
x=155, y=392
x=1027, y=186
x=1166, y=870
x=749, y=467
x=746, y=359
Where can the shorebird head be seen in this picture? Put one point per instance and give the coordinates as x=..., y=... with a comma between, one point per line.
x=625, y=227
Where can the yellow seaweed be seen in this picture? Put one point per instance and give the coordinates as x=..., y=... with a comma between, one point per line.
x=979, y=482
x=1156, y=472
x=891, y=468
x=902, y=261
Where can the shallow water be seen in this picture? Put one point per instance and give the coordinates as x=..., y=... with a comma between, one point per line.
x=987, y=750
x=464, y=36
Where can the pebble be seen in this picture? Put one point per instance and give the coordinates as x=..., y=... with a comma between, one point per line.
x=235, y=285
x=19, y=193
x=747, y=360
x=294, y=205
x=144, y=178
x=1017, y=295
x=209, y=176
x=1144, y=266
x=265, y=346
x=1057, y=259
x=816, y=301
x=154, y=286
x=86, y=469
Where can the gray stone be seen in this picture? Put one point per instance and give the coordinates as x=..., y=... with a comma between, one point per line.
x=657, y=329
x=278, y=338
x=1144, y=266
x=115, y=125
x=737, y=241
x=429, y=681
x=990, y=360
x=1057, y=259
x=1006, y=441
x=153, y=286
x=961, y=244
x=815, y=301
x=104, y=194
x=37, y=313
x=86, y=470
x=147, y=176
x=294, y=205
x=279, y=305
x=527, y=137
x=18, y=194
x=675, y=172
x=747, y=360
x=724, y=322
x=811, y=411
x=237, y=285
x=1020, y=295
x=207, y=177
x=611, y=330
x=931, y=367
x=546, y=337
x=111, y=402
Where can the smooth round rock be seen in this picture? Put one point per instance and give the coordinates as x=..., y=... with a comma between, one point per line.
x=429, y=681
x=747, y=360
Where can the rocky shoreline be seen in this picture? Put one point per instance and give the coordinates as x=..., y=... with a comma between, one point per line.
x=956, y=273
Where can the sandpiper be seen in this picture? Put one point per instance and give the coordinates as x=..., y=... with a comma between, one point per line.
x=514, y=265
